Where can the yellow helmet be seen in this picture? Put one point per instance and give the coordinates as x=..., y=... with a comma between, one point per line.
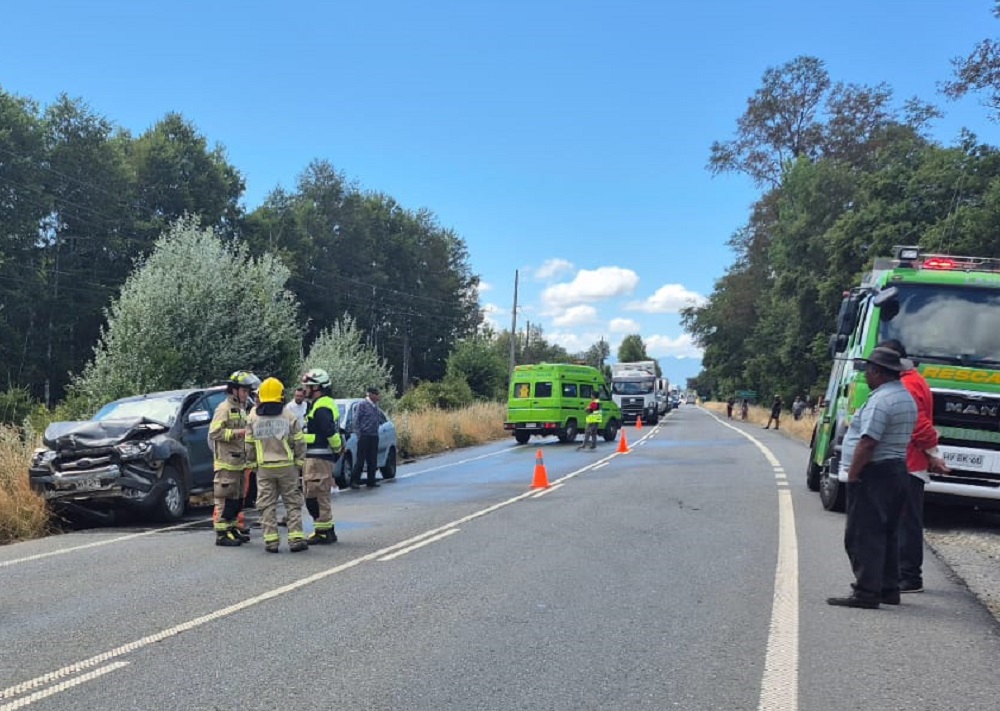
x=271, y=390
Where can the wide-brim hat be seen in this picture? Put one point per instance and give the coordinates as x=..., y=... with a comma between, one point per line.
x=888, y=359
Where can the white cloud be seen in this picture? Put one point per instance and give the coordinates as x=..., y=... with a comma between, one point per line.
x=484, y=287
x=624, y=325
x=491, y=315
x=680, y=347
x=591, y=285
x=575, y=316
x=668, y=299
x=572, y=341
x=553, y=268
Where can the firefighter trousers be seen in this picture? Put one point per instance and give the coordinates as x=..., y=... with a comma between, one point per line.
x=282, y=483
x=317, y=479
x=228, y=491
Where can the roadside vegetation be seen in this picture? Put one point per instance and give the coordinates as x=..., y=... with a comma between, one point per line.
x=22, y=512
x=799, y=429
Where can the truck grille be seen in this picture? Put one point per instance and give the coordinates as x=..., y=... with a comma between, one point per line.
x=83, y=461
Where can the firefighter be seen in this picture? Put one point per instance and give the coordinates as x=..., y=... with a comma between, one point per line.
x=275, y=450
x=323, y=445
x=227, y=433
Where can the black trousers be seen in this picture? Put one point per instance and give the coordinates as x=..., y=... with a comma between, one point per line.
x=911, y=534
x=874, y=506
x=367, y=456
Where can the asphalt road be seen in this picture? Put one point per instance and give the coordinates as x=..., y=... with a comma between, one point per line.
x=690, y=573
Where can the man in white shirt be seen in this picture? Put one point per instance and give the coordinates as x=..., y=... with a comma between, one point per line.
x=298, y=406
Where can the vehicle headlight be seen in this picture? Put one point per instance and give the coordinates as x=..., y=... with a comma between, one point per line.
x=132, y=450
x=42, y=457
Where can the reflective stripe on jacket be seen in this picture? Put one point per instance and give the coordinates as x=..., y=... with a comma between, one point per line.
x=228, y=450
x=594, y=418
x=322, y=437
x=274, y=440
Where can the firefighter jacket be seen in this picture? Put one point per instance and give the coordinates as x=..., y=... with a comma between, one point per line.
x=322, y=432
x=594, y=417
x=228, y=447
x=274, y=439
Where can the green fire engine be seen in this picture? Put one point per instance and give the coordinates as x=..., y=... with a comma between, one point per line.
x=945, y=310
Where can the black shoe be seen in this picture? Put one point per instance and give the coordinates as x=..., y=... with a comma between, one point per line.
x=298, y=545
x=332, y=534
x=322, y=538
x=853, y=601
x=373, y=484
x=228, y=539
x=243, y=534
x=890, y=598
x=271, y=546
x=911, y=587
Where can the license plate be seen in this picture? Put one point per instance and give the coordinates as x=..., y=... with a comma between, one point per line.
x=965, y=460
x=531, y=424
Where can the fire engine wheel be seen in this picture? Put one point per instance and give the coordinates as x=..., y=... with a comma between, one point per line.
x=173, y=501
x=610, y=433
x=831, y=492
x=522, y=437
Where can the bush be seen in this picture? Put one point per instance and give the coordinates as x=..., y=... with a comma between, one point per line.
x=23, y=513
x=15, y=405
x=353, y=366
x=449, y=394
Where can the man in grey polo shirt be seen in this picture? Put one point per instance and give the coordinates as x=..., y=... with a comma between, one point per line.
x=874, y=450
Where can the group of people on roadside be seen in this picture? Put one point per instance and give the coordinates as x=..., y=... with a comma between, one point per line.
x=292, y=450
x=890, y=449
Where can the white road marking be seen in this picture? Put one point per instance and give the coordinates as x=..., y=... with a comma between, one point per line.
x=600, y=466
x=96, y=544
x=230, y=610
x=415, y=546
x=543, y=492
x=779, y=689
x=63, y=686
x=454, y=464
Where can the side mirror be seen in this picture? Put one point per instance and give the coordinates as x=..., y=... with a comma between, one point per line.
x=198, y=417
x=885, y=295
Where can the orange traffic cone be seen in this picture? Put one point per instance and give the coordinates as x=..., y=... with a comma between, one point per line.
x=638, y=422
x=623, y=443
x=541, y=478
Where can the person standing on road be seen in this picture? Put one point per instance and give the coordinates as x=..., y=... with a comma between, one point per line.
x=227, y=432
x=594, y=419
x=744, y=409
x=367, y=419
x=775, y=413
x=298, y=405
x=922, y=457
x=275, y=450
x=323, y=445
x=874, y=451
x=729, y=407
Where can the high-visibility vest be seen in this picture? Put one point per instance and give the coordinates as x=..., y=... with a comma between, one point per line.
x=319, y=448
x=594, y=418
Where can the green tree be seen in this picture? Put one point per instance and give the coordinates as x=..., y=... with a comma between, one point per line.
x=194, y=311
x=978, y=71
x=353, y=365
x=477, y=361
x=632, y=349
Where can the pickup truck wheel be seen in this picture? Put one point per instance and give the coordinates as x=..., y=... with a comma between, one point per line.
x=831, y=492
x=610, y=433
x=522, y=437
x=342, y=472
x=173, y=501
x=389, y=470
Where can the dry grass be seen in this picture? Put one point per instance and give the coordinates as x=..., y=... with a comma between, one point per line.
x=23, y=513
x=800, y=429
x=431, y=431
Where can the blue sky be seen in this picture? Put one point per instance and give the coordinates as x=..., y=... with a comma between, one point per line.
x=565, y=139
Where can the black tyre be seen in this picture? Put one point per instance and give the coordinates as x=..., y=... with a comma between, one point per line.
x=342, y=473
x=831, y=491
x=610, y=432
x=173, y=501
x=570, y=432
x=654, y=419
x=521, y=436
x=389, y=470
x=813, y=470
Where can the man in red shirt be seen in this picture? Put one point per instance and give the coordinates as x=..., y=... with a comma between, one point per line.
x=922, y=457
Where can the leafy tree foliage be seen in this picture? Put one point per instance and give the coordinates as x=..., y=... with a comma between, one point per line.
x=194, y=311
x=477, y=361
x=632, y=348
x=979, y=71
x=871, y=180
x=353, y=365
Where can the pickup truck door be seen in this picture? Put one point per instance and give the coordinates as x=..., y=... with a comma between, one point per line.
x=195, y=439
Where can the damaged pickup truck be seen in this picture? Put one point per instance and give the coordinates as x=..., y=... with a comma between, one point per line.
x=148, y=453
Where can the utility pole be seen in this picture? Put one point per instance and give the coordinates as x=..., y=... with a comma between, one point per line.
x=406, y=356
x=513, y=327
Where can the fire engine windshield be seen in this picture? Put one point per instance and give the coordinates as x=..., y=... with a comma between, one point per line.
x=632, y=387
x=945, y=324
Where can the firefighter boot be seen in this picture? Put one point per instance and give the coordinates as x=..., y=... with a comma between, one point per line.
x=323, y=537
x=271, y=546
x=227, y=538
x=298, y=545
